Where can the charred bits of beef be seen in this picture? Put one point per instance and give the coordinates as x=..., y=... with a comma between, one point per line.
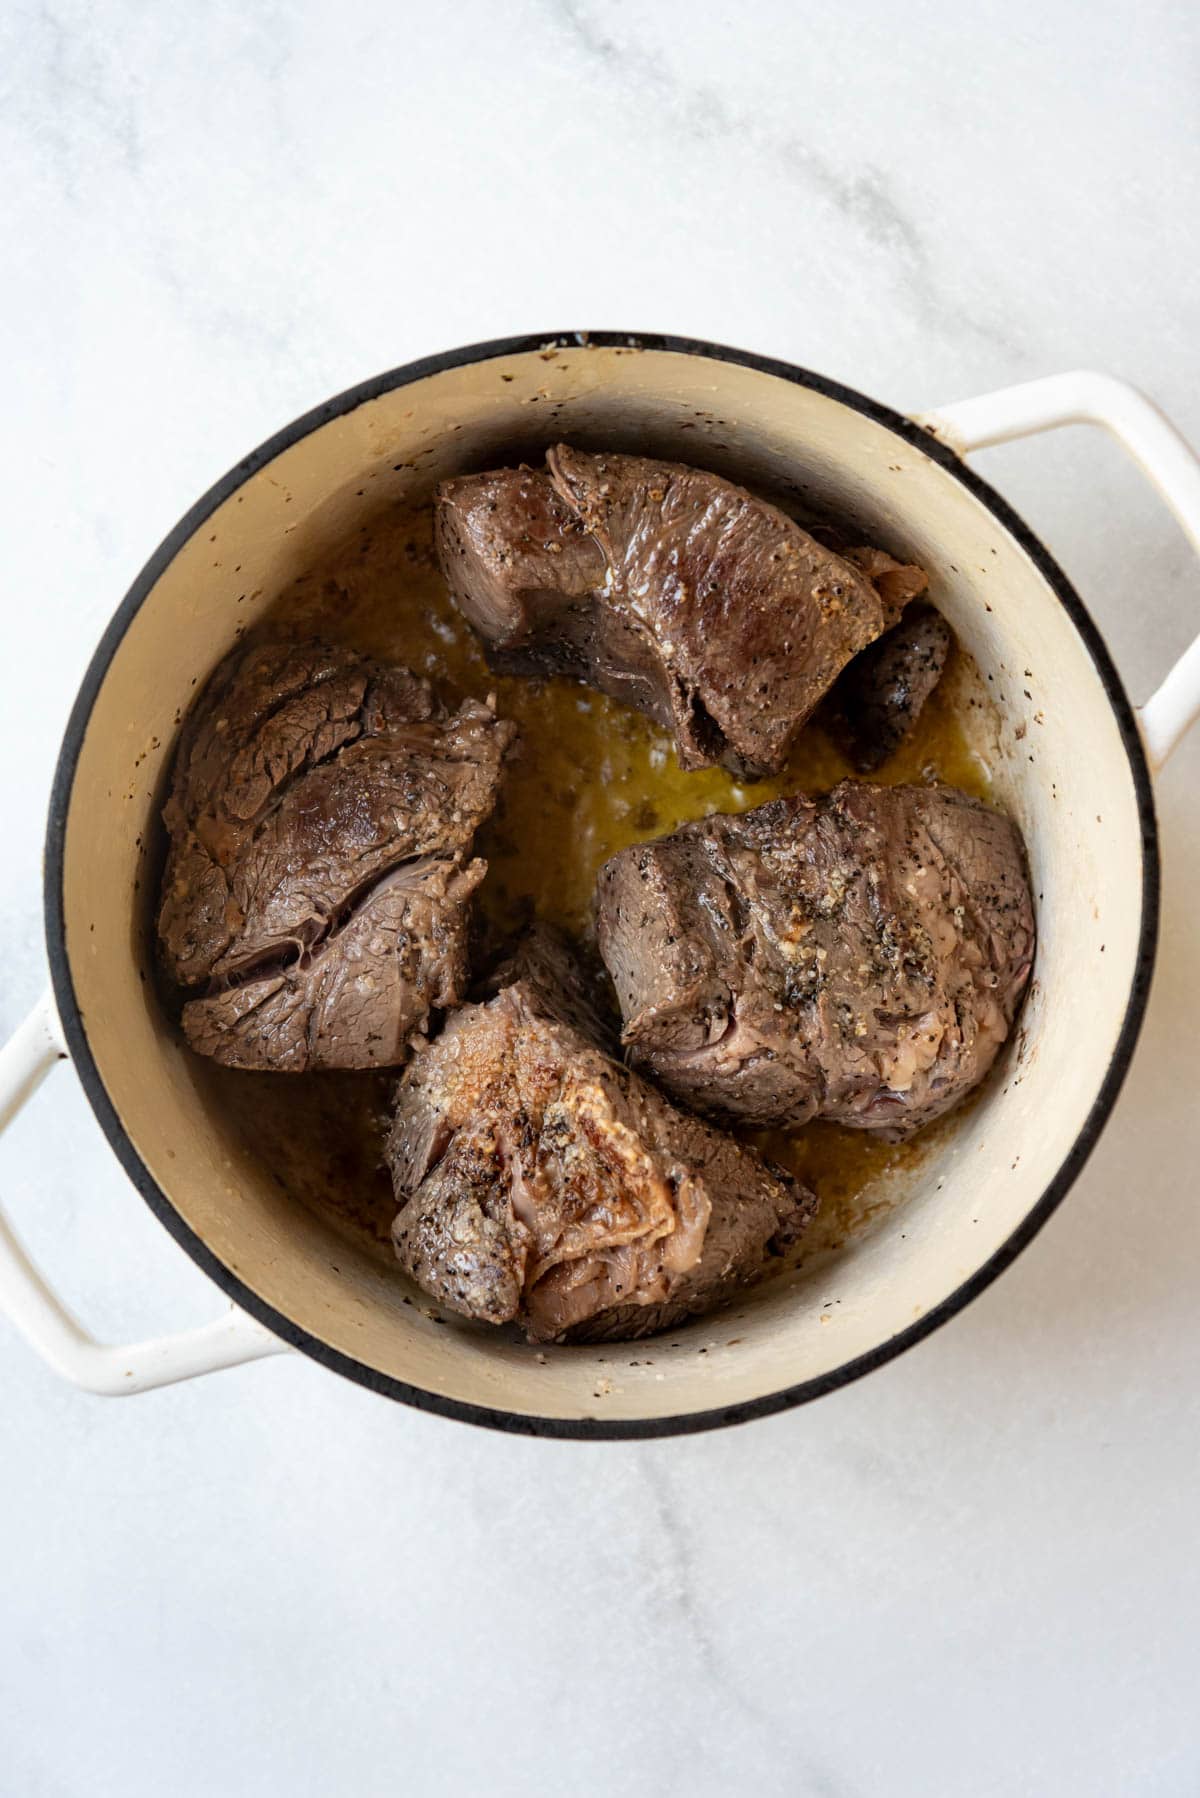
x=877, y=700
x=859, y=956
x=669, y=588
x=316, y=894
x=541, y=1182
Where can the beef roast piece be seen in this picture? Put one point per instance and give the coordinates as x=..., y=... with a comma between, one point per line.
x=858, y=957
x=315, y=897
x=667, y=587
x=898, y=582
x=877, y=700
x=541, y=1182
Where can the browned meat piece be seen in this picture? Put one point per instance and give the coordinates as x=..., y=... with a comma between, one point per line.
x=877, y=700
x=543, y=1183
x=317, y=883
x=355, y=999
x=858, y=957
x=667, y=587
x=898, y=582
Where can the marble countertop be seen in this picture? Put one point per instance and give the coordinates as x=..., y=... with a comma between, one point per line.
x=975, y=1571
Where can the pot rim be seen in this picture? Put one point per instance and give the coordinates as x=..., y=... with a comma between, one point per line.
x=515, y=1422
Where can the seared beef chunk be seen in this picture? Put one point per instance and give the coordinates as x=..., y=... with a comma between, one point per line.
x=858, y=957
x=879, y=697
x=315, y=898
x=898, y=582
x=541, y=1182
x=667, y=587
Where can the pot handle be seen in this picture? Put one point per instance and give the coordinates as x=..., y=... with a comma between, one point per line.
x=39, y=1314
x=1084, y=397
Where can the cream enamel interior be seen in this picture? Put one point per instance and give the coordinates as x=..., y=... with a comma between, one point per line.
x=1061, y=766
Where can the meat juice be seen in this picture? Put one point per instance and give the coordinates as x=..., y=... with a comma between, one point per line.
x=589, y=777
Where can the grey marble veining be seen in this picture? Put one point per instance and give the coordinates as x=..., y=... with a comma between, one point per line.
x=973, y=1572
x=860, y=195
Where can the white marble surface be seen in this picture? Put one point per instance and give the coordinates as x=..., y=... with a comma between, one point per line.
x=974, y=1572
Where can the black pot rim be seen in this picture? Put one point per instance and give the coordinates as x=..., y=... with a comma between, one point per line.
x=320, y=1351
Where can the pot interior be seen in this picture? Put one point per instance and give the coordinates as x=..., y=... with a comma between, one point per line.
x=1058, y=762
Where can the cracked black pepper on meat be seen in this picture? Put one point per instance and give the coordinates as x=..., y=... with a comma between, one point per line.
x=612, y=665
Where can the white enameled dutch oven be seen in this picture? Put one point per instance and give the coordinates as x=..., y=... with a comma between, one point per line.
x=1074, y=763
